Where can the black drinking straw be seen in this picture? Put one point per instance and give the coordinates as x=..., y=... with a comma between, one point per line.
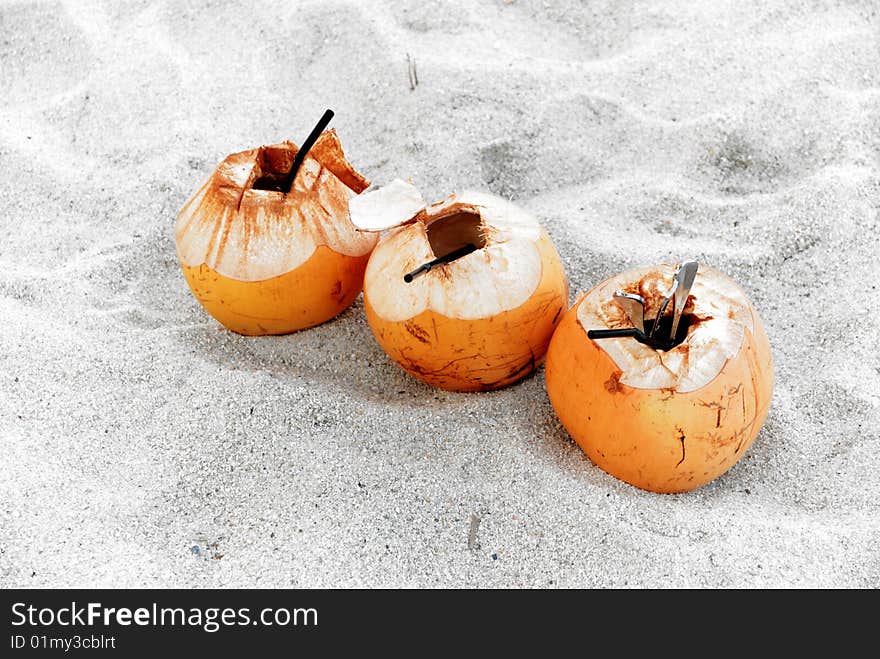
x=615, y=333
x=287, y=182
x=446, y=258
x=635, y=333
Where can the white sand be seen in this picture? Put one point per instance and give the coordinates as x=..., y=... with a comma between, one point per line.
x=141, y=444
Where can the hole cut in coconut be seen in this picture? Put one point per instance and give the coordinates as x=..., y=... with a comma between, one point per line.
x=661, y=340
x=274, y=165
x=453, y=232
x=274, y=160
x=451, y=237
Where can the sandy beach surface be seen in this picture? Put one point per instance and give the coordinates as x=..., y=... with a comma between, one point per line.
x=142, y=444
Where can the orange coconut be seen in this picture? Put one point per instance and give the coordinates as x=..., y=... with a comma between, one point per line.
x=266, y=262
x=480, y=322
x=665, y=421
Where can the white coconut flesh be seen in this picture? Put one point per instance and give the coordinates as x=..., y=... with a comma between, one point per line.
x=502, y=274
x=718, y=312
x=251, y=235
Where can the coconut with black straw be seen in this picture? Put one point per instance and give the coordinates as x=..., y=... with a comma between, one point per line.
x=261, y=262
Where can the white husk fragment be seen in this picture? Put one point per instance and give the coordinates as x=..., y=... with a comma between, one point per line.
x=496, y=278
x=252, y=235
x=722, y=306
x=389, y=206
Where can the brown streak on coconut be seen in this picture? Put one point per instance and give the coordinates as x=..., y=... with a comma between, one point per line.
x=681, y=438
x=612, y=384
x=528, y=365
x=417, y=332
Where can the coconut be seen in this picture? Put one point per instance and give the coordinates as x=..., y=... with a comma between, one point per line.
x=263, y=260
x=664, y=419
x=463, y=294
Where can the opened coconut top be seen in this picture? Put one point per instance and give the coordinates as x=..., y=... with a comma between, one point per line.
x=717, y=314
x=250, y=234
x=500, y=273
